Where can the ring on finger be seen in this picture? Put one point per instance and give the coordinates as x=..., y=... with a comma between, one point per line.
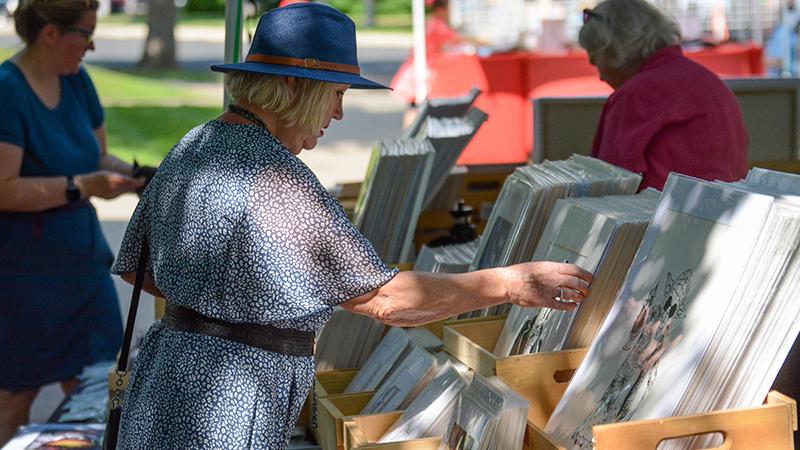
x=560, y=296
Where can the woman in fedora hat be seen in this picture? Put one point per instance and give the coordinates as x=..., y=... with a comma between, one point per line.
x=252, y=253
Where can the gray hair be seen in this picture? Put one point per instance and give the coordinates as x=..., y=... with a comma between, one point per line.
x=627, y=32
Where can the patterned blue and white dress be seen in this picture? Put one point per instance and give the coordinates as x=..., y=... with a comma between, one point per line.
x=240, y=230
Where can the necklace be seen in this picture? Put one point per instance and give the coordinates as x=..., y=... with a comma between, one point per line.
x=247, y=115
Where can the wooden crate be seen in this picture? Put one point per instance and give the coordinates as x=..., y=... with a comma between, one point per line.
x=333, y=382
x=766, y=427
x=437, y=328
x=543, y=378
x=471, y=341
x=361, y=433
x=403, y=266
x=769, y=426
x=331, y=414
x=327, y=383
x=540, y=376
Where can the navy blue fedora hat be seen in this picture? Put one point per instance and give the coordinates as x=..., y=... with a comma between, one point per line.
x=305, y=40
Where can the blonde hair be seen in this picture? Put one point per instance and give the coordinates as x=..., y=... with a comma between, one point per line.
x=302, y=106
x=32, y=15
x=627, y=32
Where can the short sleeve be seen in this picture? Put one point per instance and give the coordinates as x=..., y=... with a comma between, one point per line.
x=95, y=109
x=128, y=256
x=12, y=128
x=313, y=251
x=628, y=125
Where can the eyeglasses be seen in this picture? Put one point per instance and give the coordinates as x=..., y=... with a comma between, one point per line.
x=86, y=34
x=588, y=14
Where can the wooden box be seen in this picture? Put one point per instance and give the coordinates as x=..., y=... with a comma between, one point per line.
x=769, y=426
x=471, y=341
x=542, y=379
x=333, y=382
x=332, y=412
x=766, y=427
x=361, y=433
x=326, y=383
x=544, y=376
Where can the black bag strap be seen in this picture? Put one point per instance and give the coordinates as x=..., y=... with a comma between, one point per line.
x=115, y=413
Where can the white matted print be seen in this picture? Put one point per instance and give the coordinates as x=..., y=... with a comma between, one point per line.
x=574, y=235
x=547, y=323
x=669, y=307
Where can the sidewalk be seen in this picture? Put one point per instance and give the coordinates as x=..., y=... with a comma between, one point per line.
x=212, y=34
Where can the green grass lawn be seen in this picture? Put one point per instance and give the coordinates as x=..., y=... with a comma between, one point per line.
x=147, y=133
x=115, y=88
x=146, y=114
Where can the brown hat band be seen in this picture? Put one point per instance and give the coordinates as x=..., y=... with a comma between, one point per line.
x=307, y=63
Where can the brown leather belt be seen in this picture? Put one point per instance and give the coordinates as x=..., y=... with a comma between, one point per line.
x=280, y=340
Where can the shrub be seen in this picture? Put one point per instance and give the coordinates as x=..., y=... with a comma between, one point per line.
x=206, y=6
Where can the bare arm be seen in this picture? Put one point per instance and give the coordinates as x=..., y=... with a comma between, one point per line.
x=26, y=194
x=31, y=194
x=147, y=285
x=415, y=298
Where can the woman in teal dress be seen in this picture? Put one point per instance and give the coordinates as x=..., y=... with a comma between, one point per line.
x=58, y=306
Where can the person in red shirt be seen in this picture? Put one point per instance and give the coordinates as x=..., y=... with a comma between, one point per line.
x=667, y=113
x=438, y=33
x=283, y=3
x=439, y=37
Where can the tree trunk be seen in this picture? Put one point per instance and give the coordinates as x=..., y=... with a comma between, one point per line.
x=159, y=48
x=369, y=13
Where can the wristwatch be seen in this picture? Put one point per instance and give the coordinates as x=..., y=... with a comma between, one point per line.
x=73, y=193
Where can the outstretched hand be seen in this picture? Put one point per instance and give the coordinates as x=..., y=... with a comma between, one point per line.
x=540, y=283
